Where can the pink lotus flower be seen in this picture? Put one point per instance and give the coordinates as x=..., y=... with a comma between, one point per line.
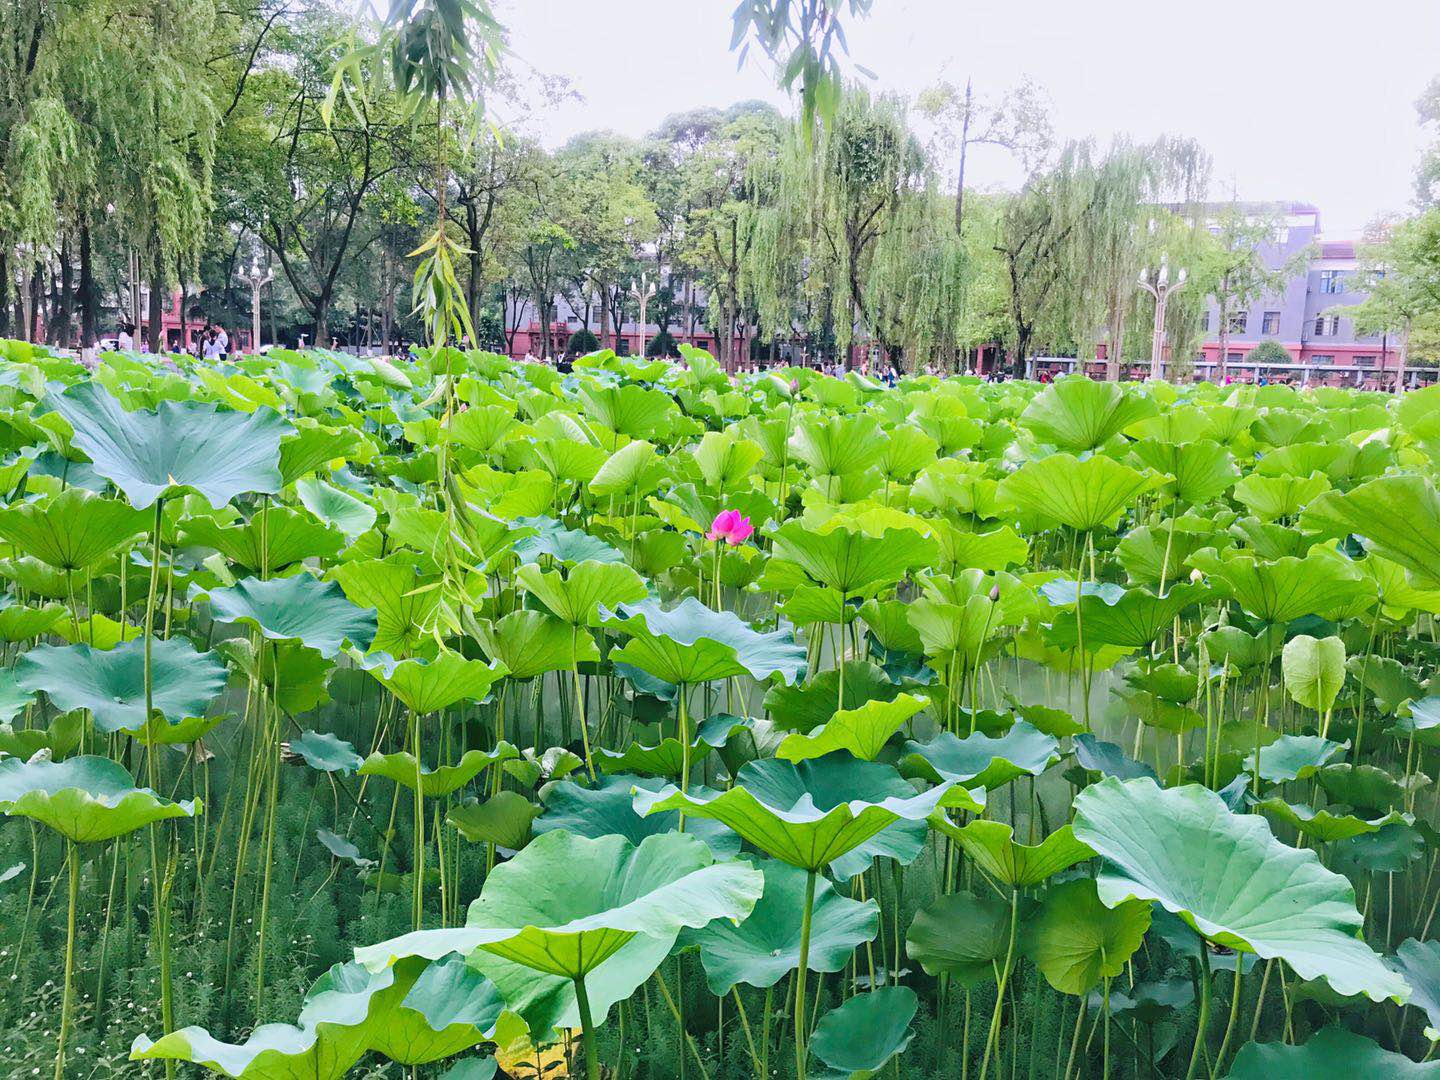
x=731, y=526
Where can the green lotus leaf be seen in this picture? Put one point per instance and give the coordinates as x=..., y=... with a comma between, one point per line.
x=13, y=697
x=274, y=538
x=980, y=761
x=314, y=446
x=575, y=597
x=426, y=686
x=553, y=763
x=341, y=848
x=1314, y=670
x=1419, y=962
x=297, y=608
x=1391, y=849
x=326, y=752
x=531, y=643
x=857, y=1039
x=766, y=947
x=1292, y=757
x=1331, y=1054
x=1251, y=892
x=535, y=940
x=181, y=444
x=667, y=757
x=633, y=470
x=1134, y=619
x=993, y=847
x=562, y=544
x=1077, y=414
x=400, y=767
x=336, y=508
x=1097, y=756
x=1388, y=684
x=73, y=531
x=805, y=706
x=691, y=643
x=1075, y=940
x=608, y=809
x=1084, y=495
x=850, y=561
x=404, y=608
x=296, y=676
x=111, y=684
x=1398, y=516
x=1155, y=556
x=838, y=445
x=861, y=732
x=629, y=410
x=1279, y=590
x=1199, y=470
x=1323, y=826
x=1367, y=786
x=1271, y=498
x=998, y=549
x=504, y=820
x=22, y=622
x=162, y=732
x=811, y=813
x=961, y=935
x=85, y=799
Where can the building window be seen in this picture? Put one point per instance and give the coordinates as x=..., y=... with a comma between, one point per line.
x=1205, y=322
x=1270, y=324
x=1327, y=325
x=1330, y=281
x=1364, y=361
x=1236, y=357
x=1238, y=321
x=1322, y=359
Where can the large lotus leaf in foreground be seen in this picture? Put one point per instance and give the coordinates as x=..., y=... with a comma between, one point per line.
x=691, y=643
x=766, y=947
x=616, y=917
x=86, y=799
x=980, y=761
x=111, y=683
x=1332, y=1054
x=1398, y=516
x=1249, y=891
x=298, y=608
x=412, y=1013
x=811, y=813
x=72, y=531
x=181, y=444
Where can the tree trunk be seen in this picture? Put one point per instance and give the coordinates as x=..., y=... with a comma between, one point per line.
x=157, y=308
x=960, y=180
x=1224, y=356
x=4, y=294
x=65, y=304
x=605, y=316
x=1402, y=354
x=89, y=329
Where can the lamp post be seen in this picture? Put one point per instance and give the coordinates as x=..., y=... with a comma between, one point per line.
x=1160, y=287
x=257, y=279
x=642, y=290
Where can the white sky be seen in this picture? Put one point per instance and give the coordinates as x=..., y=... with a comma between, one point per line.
x=1298, y=99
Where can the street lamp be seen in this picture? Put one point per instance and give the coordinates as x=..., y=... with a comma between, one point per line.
x=257, y=279
x=642, y=290
x=1160, y=287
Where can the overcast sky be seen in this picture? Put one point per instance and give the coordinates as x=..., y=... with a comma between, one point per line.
x=1295, y=99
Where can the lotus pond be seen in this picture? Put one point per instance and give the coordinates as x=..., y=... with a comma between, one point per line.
x=455, y=717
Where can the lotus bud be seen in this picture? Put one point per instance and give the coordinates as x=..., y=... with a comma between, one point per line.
x=1196, y=577
x=994, y=593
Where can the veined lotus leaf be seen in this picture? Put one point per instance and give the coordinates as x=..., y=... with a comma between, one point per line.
x=274, y=538
x=1271, y=498
x=484, y=428
x=607, y=808
x=1149, y=553
x=1419, y=962
x=98, y=631
x=553, y=763
x=1084, y=495
x=1292, y=757
x=85, y=799
x=1250, y=893
x=861, y=732
x=297, y=676
x=400, y=767
x=889, y=623
x=1398, y=516
x=341, y=848
x=1056, y=722
x=575, y=598
x=181, y=444
x=1390, y=849
x=667, y=757
x=562, y=544
x=504, y=820
x=998, y=549
x=297, y=608
x=1077, y=414
x=1279, y=590
x=21, y=622
x=162, y=732
x=1314, y=670
x=1387, y=682
x=805, y=706
x=634, y=469
x=980, y=761
x=1075, y=940
x=857, y=1039
x=404, y=608
x=850, y=561
x=1331, y=1054
x=961, y=935
x=13, y=697
x=1199, y=470
x=691, y=643
x=314, y=446
x=766, y=947
x=907, y=450
x=839, y=445
x=1421, y=718
x=1367, y=786
x=112, y=684
x=73, y=531
x=1134, y=619
x=534, y=940
x=629, y=410
x=326, y=752
x=447, y=1008
x=336, y=508
x=531, y=643
x=993, y=847
x=799, y=813
x=426, y=686
x=1323, y=826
